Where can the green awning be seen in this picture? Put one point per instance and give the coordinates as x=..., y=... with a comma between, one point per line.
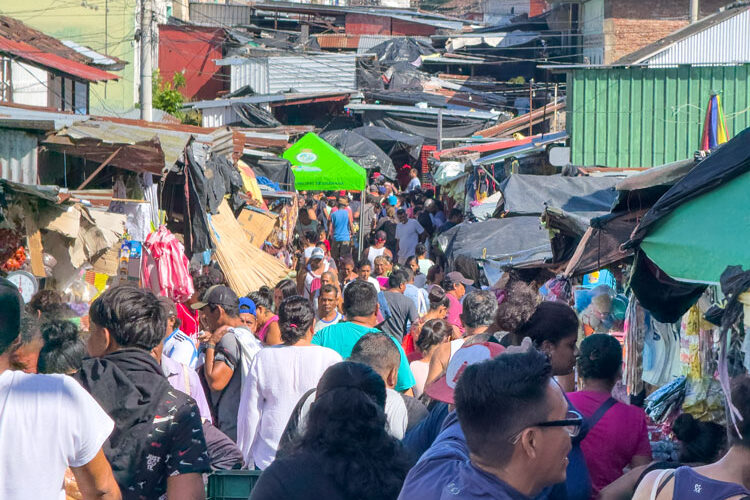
x=318, y=166
x=700, y=238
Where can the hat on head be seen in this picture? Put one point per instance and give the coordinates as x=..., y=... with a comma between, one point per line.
x=247, y=306
x=442, y=388
x=11, y=305
x=317, y=253
x=457, y=277
x=217, y=295
x=392, y=200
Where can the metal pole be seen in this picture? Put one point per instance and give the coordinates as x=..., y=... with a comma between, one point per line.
x=531, y=107
x=106, y=35
x=694, y=10
x=362, y=205
x=440, y=130
x=555, y=103
x=146, y=76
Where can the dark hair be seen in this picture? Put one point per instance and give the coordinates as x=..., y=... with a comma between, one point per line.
x=364, y=262
x=231, y=310
x=311, y=236
x=287, y=287
x=346, y=260
x=700, y=442
x=437, y=298
x=420, y=249
x=517, y=307
x=295, y=318
x=498, y=397
x=346, y=427
x=408, y=261
x=397, y=278
x=30, y=329
x=329, y=289
x=455, y=212
x=740, y=393
x=479, y=309
x=378, y=351
x=201, y=284
x=133, y=316
x=551, y=321
x=170, y=309
x=360, y=299
x=433, y=333
x=600, y=358
x=44, y=301
x=261, y=299
x=63, y=349
x=215, y=275
x=432, y=271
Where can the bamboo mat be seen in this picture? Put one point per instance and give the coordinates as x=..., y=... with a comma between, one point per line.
x=246, y=267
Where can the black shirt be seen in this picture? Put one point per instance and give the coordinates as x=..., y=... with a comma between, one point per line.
x=296, y=476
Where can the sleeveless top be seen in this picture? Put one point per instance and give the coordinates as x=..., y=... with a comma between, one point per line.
x=690, y=484
x=264, y=329
x=456, y=345
x=374, y=253
x=312, y=280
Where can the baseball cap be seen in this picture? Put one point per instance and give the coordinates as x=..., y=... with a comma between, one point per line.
x=442, y=389
x=11, y=305
x=457, y=277
x=392, y=200
x=217, y=295
x=247, y=305
x=317, y=253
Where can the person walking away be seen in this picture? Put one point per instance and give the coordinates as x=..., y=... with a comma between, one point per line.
x=177, y=345
x=415, y=293
x=48, y=423
x=229, y=350
x=409, y=233
x=403, y=312
x=278, y=378
x=414, y=183
x=433, y=333
x=328, y=313
x=345, y=451
x=267, y=322
x=423, y=261
x=510, y=433
x=618, y=433
x=283, y=289
x=341, y=230
x=722, y=480
x=378, y=248
x=158, y=446
x=478, y=314
x=360, y=310
x=455, y=285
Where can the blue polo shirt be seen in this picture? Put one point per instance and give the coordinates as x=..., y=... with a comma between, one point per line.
x=342, y=337
x=340, y=219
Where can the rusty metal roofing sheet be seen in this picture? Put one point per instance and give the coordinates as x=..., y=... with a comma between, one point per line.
x=76, y=69
x=13, y=29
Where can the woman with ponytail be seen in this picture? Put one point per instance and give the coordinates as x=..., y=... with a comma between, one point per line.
x=63, y=350
x=278, y=377
x=345, y=451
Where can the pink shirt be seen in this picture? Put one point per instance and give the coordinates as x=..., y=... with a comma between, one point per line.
x=620, y=435
x=454, y=312
x=264, y=329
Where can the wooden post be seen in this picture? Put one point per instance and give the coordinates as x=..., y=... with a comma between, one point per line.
x=35, y=247
x=440, y=130
x=531, y=107
x=98, y=169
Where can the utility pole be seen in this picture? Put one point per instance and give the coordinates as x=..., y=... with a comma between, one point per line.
x=694, y=11
x=146, y=38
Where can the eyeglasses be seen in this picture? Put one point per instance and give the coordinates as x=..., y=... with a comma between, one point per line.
x=571, y=424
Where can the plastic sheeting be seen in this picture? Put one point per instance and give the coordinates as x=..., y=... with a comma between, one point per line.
x=586, y=196
x=425, y=125
x=392, y=141
x=363, y=151
x=275, y=169
x=510, y=241
x=253, y=116
x=401, y=50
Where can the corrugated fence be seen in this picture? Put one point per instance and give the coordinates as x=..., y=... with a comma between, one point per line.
x=18, y=156
x=641, y=117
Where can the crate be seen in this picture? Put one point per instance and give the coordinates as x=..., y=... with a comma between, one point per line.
x=231, y=484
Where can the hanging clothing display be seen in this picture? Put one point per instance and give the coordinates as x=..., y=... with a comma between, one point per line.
x=170, y=265
x=661, y=352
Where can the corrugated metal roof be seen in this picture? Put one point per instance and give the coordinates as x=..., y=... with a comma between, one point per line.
x=338, y=41
x=20, y=117
x=480, y=115
x=213, y=14
x=265, y=99
x=95, y=57
x=13, y=29
x=641, y=117
x=18, y=156
x=719, y=38
x=28, y=53
x=536, y=144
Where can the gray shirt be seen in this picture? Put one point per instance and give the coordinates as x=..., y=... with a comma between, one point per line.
x=402, y=312
x=226, y=403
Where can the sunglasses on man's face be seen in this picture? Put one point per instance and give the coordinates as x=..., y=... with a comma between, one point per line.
x=571, y=424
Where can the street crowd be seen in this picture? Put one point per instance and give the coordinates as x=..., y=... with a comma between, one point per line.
x=384, y=377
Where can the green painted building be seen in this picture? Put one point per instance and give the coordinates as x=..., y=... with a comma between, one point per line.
x=107, y=26
x=641, y=117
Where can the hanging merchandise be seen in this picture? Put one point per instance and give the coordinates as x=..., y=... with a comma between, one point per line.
x=661, y=352
x=170, y=263
x=635, y=330
x=664, y=403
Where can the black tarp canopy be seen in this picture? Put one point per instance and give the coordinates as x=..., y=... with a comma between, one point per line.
x=401, y=49
x=392, y=141
x=425, y=125
x=363, y=151
x=509, y=241
x=273, y=168
x=588, y=197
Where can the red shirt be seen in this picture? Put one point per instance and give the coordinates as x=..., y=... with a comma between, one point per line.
x=189, y=320
x=620, y=435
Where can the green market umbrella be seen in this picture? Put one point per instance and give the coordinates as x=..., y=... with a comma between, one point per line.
x=701, y=237
x=318, y=166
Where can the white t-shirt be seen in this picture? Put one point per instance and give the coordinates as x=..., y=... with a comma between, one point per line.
x=181, y=348
x=278, y=378
x=419, y=369
x=425, y=265
x=320, y=323
x=408, y=238
x=47, y=424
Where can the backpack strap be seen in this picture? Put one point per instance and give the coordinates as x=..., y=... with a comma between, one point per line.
x=660, y=483
x=599, y=413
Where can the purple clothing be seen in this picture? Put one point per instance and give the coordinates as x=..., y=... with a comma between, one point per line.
x=445, y=472
x=688, y=484
x=454, y=312
x=186, y=380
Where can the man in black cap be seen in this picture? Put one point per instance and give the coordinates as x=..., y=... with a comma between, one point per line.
x=47, y=424
x=229, y=350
